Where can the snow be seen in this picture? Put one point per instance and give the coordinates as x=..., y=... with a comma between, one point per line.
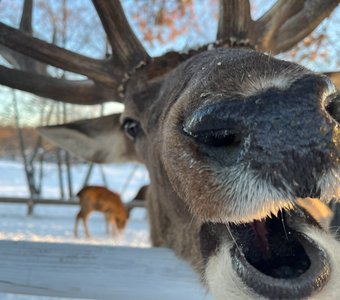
x=55, y=223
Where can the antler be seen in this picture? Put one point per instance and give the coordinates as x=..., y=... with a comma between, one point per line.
x=127, y=50
x=231, y=27
x=58, y=57
x=289, y=21
x=285, y=24
x=87, y=92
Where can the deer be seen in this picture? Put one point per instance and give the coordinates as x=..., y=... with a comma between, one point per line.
x=232, y=138
x=141, y=194
x=99, y=198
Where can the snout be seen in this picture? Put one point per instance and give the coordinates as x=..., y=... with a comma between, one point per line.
x=286, y=137
x=267, y=150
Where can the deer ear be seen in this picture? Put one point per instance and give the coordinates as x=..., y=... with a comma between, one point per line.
x=99, y=140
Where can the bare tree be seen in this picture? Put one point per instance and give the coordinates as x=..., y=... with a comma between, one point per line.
x=34, y=173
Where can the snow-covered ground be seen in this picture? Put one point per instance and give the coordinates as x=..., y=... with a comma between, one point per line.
x=55, y=223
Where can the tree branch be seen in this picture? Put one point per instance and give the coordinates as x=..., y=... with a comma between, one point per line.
x=98, y=70
x=335, y=77
x=289, y=21
x=234, y=19
x=83, y=92
x=127, y=51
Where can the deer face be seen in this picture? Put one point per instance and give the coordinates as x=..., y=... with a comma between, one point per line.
x=121, y=221
x=236, y=137
x=239, y=147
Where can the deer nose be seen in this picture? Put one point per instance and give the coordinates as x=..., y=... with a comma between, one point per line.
x=289, y=136
x=272, y=130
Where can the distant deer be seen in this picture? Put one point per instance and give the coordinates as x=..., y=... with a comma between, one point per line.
x=97, y=198
x=231, y=137
x=142, y=193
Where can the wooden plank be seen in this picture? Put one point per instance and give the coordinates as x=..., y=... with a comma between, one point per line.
x=38, y=201
x=96, y=272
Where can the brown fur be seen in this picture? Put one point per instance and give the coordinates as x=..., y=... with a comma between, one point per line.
x=97, y=198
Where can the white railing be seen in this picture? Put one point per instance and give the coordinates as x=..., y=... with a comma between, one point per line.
x=96, y=272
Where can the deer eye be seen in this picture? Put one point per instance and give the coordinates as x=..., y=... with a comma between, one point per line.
x=131, y=128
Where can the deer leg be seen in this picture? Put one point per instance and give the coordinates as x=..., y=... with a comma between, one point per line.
x=76, y=225
x=86, y=228
x=107, y=227
x=115, y=231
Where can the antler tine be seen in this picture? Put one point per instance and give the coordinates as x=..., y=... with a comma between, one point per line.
x=231, y=31
x=26, y=18
x=231, y=28
x=289, y=21
x=85, y=92
x=95, y=69
x=127, y=51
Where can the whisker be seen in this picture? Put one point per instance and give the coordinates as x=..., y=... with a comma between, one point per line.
x=283, y=224
x=234, y=240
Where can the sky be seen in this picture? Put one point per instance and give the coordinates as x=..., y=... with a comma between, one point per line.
x=89, y=39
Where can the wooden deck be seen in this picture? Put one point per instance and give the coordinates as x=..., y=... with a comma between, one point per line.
x=96, y=272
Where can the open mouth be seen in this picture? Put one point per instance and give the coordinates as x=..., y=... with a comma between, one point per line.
x=273, y=258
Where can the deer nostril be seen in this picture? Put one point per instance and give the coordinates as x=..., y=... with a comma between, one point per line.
x=217, y=138
x=214, y=125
